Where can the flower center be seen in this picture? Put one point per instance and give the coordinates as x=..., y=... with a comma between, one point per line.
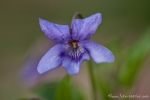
x=74, y=43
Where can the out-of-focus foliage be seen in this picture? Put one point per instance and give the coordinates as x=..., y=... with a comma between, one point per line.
x=47, y=92
x=64, y=90
x=104, y=89
x=134, y=59
x=68, y=91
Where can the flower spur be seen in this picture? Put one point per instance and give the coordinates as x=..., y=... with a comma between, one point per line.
x=74, y=45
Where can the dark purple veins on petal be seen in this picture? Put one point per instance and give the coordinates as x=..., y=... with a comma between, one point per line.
x=75, y=53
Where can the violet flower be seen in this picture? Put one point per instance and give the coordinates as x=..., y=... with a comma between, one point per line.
x=73, y=45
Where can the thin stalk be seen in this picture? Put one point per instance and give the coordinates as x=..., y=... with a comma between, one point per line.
x=92, y=78
x=77, y=14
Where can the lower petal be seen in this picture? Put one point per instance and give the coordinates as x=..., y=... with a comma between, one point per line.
x=52, y=59
x=98, y=52
x=72, y=65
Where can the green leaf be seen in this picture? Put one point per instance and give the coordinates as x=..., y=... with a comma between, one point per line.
x=47, y=91
x=105, y=89
x=64, y=90
x=135, y=58
x=68, y=91
x=77, y=94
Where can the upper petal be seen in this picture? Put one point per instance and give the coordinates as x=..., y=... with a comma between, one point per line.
x=83, y=29
x=98, y=52
x=73, y=59
x=56, y=32
x=52, y=59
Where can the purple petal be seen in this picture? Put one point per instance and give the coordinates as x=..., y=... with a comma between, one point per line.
x=52, y=59
x=83, y=29
x=98, y=52
x=73, y=60
x=56, y=32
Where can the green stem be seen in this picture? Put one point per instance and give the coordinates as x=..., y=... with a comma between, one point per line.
x=77, y=14
x=92, y=78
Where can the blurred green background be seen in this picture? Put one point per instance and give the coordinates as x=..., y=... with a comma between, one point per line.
x=124, y=21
